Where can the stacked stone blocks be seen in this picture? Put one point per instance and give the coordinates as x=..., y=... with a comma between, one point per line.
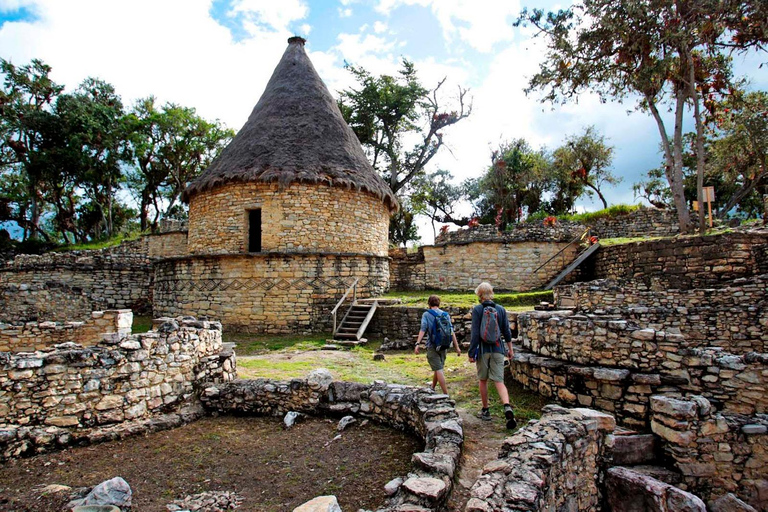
x=69, y=391
x=31, y=336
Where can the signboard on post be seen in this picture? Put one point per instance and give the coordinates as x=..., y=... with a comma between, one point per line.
x=709, y=197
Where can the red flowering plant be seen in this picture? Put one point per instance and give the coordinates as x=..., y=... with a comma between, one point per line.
x=444, y=229
x=473, y=222
x=550, y=221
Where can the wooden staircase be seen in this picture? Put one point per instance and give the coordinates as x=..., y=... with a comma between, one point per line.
x=354, y=323
x=586, y=253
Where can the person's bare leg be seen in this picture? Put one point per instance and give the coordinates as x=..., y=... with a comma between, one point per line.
x=434, y=380
x=484, y=393
x=441, y=379
x=502, y=390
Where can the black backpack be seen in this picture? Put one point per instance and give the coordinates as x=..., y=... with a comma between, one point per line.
x=441, y=332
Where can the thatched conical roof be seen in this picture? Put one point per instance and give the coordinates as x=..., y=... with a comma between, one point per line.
x=295, y=134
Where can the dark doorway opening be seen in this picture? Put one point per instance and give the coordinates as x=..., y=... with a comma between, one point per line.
x=254, y=230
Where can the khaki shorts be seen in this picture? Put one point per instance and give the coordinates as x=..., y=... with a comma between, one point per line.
x=490, y=366
x=436, y=358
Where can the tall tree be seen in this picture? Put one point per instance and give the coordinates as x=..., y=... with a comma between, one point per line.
x=434, y=196
x=387, y=112
x=172, y=145
x=513, y=184
x=669, y=53
x=586, y=159
x=25, y=102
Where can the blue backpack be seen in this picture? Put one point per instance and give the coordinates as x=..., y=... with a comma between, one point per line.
x=441, y=333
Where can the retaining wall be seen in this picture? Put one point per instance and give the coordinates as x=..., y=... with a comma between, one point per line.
x=430, y=416
x=716, y=453
x=646, y=222
x=554, y=463
x=167, y=244
x=407, y=270
x=31, y=336
x=265, y=292
x=67, y=286
x=734, y=317
x=684, y=263
x=69, y=394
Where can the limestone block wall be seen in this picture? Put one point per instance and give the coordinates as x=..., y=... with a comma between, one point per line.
x=407, y=271
x=66, y=286
x=58, y=396
x=646, y=222
x=432, y=417
x=296, y=218
x=684, y=263
x=590, y=364
x=265, y=292
x=508, y=266
x=554, y=463
x=716, y=453
x=167, y=244
x=31, y=336
x=402, y=323
x=734, y=317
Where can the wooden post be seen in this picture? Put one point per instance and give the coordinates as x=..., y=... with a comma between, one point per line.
x=709, y=197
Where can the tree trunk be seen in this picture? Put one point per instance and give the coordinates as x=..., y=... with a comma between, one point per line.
x=700, y=157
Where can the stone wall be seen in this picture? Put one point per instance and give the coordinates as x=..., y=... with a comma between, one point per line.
x=616, y=367
x=432, y=417
x=716, y=453
x=298, y=217
x=31, y=336
x=67, y=286
x=167, y=244
x=507, y=266
x=407, y=270
x=562, y=231
x=684, y=263
x=554, y=463
x=734, y=317
x=265, y=292
x=645, y=222
x=64, y=394
x=401, y=324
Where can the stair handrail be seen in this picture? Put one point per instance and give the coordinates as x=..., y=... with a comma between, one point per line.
x=579, y=237
x=352, y=288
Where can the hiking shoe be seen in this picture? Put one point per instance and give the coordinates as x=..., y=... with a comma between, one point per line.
x=510, y=416
x=484, y=414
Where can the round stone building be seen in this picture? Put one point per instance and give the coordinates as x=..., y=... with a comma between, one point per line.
x=285, y=219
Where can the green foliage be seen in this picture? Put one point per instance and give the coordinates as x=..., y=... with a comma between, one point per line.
x=612, y=211
x=667, y=53
x=469, y=299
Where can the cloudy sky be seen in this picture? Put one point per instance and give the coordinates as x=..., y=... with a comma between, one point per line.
x=217, y=56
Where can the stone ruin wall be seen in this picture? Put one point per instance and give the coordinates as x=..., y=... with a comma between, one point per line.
x=432, y=417
x=734, y=317
x=31, y=336
x=407, y=270
x=555, y=463
x=123, y=385
x=684, y=263
x=169, y=244
x=645, y=222
x=714, y=452
x=297, y=217
x=615, y=367
x=68, y=286
x=266, y=292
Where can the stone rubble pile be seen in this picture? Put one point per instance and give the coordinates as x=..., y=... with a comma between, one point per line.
x=212, y=501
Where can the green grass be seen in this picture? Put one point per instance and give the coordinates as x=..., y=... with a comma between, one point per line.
x=100, y=244
x=521, y=300
x=141, y=323
x=296, y=356
x=611, y=211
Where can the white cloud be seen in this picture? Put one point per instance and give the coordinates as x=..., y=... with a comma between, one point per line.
x=480, y=24
x=277, y=15
x=14, y=5
x=345, y=13
x=379, y=27
x=354, y=48
x=305, y=29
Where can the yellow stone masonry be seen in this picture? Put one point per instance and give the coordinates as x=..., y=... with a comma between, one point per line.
x=507, y=266
x=299, y=218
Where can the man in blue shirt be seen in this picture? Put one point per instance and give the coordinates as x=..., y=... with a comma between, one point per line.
x=489, y=355
x=435, y=357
